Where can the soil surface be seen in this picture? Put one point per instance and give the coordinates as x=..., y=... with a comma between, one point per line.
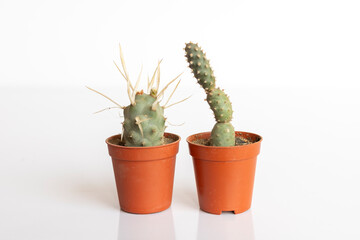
x=239, y=141
x=117, y=141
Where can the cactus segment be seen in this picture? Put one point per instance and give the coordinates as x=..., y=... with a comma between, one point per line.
x=143, y=126
x=200, y=66
x=223, y=134
x=220, y=104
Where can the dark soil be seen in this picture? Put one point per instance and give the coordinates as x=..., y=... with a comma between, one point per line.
x=239, y=141
x=117, y=141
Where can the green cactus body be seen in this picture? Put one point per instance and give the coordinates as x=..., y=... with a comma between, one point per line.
x=200, y=66
x=144, y=125
x=221, y=105
x=223, y=133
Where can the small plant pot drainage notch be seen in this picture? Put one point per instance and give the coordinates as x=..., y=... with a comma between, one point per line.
x=144, y=175
x=224, y=175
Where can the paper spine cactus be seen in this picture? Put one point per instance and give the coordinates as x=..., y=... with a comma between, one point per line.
x=144, y=121
x=223, y=133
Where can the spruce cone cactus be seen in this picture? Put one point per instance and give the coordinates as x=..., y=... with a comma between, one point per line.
x=223, y=133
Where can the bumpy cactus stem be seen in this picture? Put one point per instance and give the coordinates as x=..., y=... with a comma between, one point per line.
x=143, y=125
x=144, y=121
x=223, y=132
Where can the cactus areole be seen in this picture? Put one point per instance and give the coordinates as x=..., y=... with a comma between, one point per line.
x=223, y=133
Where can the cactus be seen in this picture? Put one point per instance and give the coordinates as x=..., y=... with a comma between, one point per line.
x=223, y=133
x=144, y=125
x=144, y=121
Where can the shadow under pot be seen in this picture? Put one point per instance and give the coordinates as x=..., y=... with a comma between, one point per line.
x=224, y=175
x=144, y=175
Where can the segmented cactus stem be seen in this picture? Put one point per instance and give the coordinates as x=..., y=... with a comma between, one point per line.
x=223, y=133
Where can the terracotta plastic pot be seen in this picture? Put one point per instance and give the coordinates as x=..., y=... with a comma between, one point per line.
x=144, y=175
x=224, y=175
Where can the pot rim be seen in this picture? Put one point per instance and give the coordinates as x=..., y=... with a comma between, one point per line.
x=151, y=147
x=221, y=147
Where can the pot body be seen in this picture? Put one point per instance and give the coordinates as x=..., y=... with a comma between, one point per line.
x=144, y=175
x=224, y=175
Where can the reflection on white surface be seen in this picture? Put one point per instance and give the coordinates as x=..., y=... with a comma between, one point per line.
x=226, y=226
x=68, y=187
x=142, y=226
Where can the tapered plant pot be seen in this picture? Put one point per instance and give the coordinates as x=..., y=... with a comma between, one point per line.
x=224, y=175
x=144, y=175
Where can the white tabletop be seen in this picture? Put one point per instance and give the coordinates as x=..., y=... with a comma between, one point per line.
x=56, y=178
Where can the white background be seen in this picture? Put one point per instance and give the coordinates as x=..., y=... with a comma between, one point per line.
x=291, y=69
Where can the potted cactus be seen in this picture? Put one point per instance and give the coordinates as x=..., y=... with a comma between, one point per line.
x=143, y=156
x=224, y=160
